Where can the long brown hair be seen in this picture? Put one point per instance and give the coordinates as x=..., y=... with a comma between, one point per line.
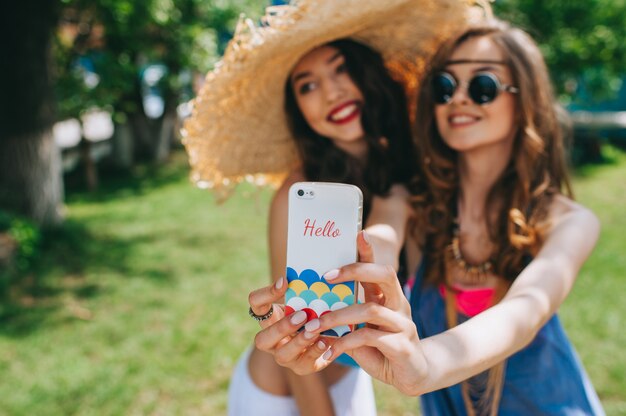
x=535, y=173
x=384, y=115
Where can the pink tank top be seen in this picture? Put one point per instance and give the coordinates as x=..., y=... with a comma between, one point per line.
x=471, y=302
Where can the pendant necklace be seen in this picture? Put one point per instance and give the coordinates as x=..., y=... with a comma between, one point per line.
x=475, y=273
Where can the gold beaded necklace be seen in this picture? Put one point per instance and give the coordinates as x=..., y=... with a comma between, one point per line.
x=475, y=274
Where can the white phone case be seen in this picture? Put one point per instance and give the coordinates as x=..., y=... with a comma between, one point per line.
x=324, y=220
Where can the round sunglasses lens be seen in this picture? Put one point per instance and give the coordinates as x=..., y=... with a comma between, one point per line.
x=443, y=88
x=483, y=89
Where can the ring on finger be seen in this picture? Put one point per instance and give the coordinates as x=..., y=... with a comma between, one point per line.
x=261, y=318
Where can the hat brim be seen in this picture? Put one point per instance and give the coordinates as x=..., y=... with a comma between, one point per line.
x=238, y=128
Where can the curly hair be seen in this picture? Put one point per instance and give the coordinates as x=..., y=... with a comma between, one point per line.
x=391, y=154
x=535, y=173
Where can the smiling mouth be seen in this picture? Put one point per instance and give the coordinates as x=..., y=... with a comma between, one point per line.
x=344, y=113
x=462, y=120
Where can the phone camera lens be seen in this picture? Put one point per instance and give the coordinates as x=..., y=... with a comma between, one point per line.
x=300, y=192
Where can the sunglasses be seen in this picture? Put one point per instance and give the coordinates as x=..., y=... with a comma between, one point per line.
x=483, y=88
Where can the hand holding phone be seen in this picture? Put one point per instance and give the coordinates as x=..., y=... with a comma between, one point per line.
x=324, y=220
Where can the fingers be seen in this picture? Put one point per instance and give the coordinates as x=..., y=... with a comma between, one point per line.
x=362, y=345
x=278, y=334
x=379, y=281
x=353, y=343
x=376, y=351
x=388, y=343
x=364, y=246
x=292, y=350
x=371, y=313
x=394, y=358
x=261, y=300
x=312, y=360
x=303, y=354
x=365, y=273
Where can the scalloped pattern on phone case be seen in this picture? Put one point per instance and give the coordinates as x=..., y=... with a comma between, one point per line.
x=313, y=294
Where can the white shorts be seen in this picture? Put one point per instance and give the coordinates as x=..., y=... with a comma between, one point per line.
x=353, y=395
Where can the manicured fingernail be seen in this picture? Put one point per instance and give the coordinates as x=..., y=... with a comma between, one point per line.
x=330, y=275
x=321, y=345
x=279, y=283
x=298, y=317
x=312, y=325
x=328, y=354
x=309, y=335
x=366, y=237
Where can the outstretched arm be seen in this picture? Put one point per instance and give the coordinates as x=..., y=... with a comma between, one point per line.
x=532, y=300
x=389, y=348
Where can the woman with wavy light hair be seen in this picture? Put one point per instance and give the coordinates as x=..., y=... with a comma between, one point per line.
x=499, y=245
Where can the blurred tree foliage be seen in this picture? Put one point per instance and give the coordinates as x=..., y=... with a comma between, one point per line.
x=101, y=48
x=25, y=236
x=582, y=41
x=118, y=37
x=62, y=57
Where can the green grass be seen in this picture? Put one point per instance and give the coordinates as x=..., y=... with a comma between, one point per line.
x=594, y=314
x=139, y=304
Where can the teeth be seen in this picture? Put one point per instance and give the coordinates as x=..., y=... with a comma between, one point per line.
x=345, y=112
x=461, y=119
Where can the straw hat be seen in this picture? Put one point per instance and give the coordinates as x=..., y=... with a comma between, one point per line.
x=238, y=129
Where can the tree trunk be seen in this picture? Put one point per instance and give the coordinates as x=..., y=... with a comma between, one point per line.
x=31, y=177
x=30, y=168
x=122, y=153
x=153, y=138
x=165, y=137
x=143, y=133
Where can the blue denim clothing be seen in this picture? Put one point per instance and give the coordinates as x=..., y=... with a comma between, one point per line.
x=544, y=378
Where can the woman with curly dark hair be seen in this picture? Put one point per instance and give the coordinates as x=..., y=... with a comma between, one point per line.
x=350, y=124
x=317, y=92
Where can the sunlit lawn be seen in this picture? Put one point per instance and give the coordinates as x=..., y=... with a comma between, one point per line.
x=140, y=305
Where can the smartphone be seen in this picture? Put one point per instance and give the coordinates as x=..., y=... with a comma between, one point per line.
x=324, y=220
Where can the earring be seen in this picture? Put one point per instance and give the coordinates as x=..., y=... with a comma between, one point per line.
x=383, y=142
